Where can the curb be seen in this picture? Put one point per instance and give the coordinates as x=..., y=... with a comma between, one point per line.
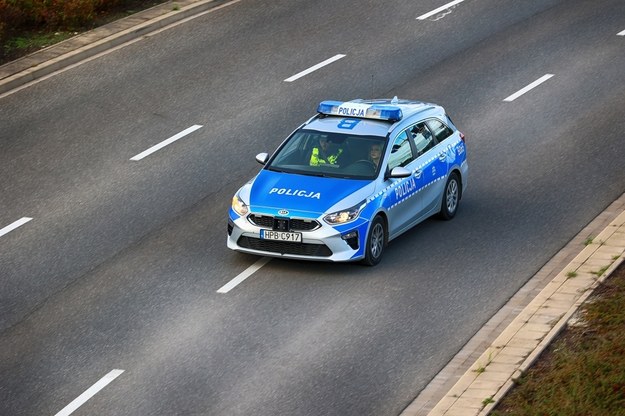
x=86, y=45
x=519, y=345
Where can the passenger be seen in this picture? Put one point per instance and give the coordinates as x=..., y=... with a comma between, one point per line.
x=375, y=153
x=321, y=154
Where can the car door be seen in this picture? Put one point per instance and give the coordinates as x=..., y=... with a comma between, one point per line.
x=400, y=201
x=431, y=164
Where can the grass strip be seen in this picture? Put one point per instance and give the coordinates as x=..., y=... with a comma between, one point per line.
x=583, y=371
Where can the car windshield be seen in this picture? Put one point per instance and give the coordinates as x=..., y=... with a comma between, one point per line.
x=339, y=155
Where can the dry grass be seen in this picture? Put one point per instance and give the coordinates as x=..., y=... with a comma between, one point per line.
x=27, y=29
x=583, y=371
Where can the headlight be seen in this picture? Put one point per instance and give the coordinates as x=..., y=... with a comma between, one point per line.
x=239, y=206
x=341, y=217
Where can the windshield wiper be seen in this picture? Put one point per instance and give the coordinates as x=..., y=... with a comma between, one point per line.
x=306, y=172
x=271, y=168
x=319, y=175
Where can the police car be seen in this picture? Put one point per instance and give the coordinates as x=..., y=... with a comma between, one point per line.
x=349, y=180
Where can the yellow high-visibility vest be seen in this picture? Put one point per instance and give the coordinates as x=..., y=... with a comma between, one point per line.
x=315, y=160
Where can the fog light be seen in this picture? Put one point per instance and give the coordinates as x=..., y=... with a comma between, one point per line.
x=351, y=238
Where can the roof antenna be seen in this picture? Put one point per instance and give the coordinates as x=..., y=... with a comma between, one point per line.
x=395, y=100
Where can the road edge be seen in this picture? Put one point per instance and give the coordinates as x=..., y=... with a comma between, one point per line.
x=481, y=374
x=47, y=61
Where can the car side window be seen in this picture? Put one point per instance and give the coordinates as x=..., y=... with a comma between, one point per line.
x=401, y=152
x=422, y=138
x=440, y=130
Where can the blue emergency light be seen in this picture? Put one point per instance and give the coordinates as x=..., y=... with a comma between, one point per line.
x=360, y=110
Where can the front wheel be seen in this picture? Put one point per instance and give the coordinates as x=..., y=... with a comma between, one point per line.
x=376, y=242
x=451, y=197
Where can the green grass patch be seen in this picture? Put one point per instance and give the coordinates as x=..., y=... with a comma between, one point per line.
x=601, y=271
x=33, y=41
x=26, y=27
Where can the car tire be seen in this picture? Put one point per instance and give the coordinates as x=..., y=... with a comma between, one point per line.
x=451, y=197
x=376, y=242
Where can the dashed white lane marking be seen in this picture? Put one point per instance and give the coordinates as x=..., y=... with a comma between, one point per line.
x=440, y=9
x=165, y=142
x=244, y=275
x=89, y=393
x=14, y=225
x=529, y=87
x=621, y=33
x=314, y=68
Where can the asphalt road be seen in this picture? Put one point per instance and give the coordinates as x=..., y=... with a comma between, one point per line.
x=120, y=265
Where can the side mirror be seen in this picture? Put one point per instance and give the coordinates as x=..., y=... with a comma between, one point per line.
x=399, y=172
x=262, y=158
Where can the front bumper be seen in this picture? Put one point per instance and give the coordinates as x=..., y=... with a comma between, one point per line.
x=326, y=243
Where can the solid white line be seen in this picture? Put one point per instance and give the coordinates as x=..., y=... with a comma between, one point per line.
x=166, y=142
x=621, y=33
x=14, y=225
x=130, y=42
x=529, y=87
x=244, y=275
x=314, y=68
x=89, y=393
x=440, y=9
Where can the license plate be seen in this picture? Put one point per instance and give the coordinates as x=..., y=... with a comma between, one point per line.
x=280, y=236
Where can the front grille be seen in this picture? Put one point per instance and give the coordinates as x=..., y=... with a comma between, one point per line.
x=304, y=225
x=295, y=224
x=283, y=247
x=261, y=220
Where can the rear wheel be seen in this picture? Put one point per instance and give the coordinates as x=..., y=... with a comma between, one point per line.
x=451, y=197
x=376, y=242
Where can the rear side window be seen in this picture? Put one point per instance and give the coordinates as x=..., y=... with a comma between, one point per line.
x=422, y=138
x=440, y=130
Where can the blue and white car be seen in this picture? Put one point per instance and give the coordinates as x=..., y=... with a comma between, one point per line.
x=349, y=180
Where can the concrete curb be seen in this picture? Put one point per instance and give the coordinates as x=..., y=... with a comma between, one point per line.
x=492, y=375
x=64, y=54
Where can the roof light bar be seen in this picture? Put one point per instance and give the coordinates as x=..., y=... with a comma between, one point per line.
x=360, y=110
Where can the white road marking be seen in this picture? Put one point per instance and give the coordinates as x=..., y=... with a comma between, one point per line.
x=529, y=87
x=89, y=393
x=440, y=9
x=115, y=48
x=621, y=33
x=314, y=68
x=244, y=275
x=165, y=142
x=14, y=225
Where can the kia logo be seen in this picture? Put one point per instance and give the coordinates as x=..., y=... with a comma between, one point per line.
x=283, y=212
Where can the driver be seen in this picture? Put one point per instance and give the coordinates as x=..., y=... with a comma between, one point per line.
x=321, y=154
